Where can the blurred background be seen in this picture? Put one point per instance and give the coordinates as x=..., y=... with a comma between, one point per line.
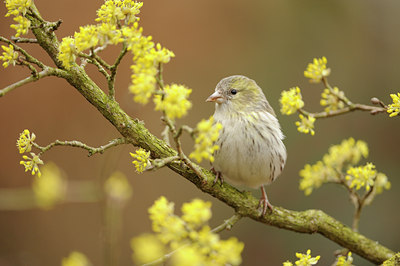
x=270, y=41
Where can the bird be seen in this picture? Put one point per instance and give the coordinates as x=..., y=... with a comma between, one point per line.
x=251, y=149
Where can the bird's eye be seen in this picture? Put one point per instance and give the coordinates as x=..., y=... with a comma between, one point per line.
x=233, y=91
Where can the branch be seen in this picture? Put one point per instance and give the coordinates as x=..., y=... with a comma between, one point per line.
x=310, y=221
x=78, y=144
x=46, y=72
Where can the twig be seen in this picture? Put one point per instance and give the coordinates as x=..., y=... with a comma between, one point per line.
x=113, y=69
x=23, y=40
x=158, y=163
x=353, y=107
x=78, y=144
x=46, y=72
x=227, y=225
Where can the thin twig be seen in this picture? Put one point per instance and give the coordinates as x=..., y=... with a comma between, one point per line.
x=46, y=72
x=23, y=40
x=113, y=69
x=227, y=224
x=158, y=163
x=78, y=144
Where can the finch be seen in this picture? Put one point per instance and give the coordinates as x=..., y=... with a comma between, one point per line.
x=251, y=151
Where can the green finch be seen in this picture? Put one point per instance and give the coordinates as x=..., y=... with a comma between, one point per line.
x=251, y=151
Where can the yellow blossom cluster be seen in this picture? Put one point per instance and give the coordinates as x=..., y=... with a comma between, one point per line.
x=119, y=23
x=344, y=261
x=188, y=238
x=394, y=108
x=141, y=160
x=331, y=99
x=362, y=176
x=50, y=188
x=76, y=259
x=18, y=8
x=32, y=164
x=304, y=259
x=339, y=161
x=306, y=124
x=22, y=25
x=9, y=56
x=317, y=70
x=117, y=187
x=24, y=144
x=174, y=101
x=67, y=53
x=25, y=141
x=207, y=135
x=112, y=12
x=291, y=101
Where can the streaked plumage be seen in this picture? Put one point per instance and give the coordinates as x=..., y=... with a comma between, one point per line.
x=251, y=149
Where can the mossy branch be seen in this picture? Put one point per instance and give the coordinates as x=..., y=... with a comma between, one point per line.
x=245, y=205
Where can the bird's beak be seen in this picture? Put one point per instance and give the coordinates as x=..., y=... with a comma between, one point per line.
x=215, y=97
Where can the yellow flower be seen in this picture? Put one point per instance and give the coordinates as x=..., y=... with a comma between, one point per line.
x=331, y=101
x=50, y=188
x=227, y=252
x=306, y=124
x=67, y=52
x=25, y=141
x=345, y=261
x=174, y=102
x=381, y=182
x=22, y=25
x=188, y=255
x=287, y=263
x=31, y=164
x=76, y=259
x=191, y=242
x=362, y=176
x=86, y=38
x=113, y=11
x=162, y=54
x=117, y=187
x=306, y=259
x=108, y=33
x=170, y=227
x=291, y=101
x=317, y=70
x=313, y=176
x=348, y=151
x=196, y=212
x=394, y=108
x=147, y=248
x=143, y=86
x=16, y=7
x=9, y=56
x=207, y=135
x=141, y=160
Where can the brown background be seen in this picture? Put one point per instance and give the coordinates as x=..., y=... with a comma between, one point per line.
x=269, y=41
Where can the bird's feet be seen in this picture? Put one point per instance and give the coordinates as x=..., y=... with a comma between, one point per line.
x=218, y=176
x=264, y=202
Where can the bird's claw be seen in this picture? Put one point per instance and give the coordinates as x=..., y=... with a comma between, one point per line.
x=265, y=205
x=264, y=202
x=218, y=176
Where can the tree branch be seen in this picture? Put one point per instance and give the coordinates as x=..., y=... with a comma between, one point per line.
x=78, y=144
x=32, y=78
x=310, y=221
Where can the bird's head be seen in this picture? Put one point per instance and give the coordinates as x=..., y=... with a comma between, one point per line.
x=239, y=94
